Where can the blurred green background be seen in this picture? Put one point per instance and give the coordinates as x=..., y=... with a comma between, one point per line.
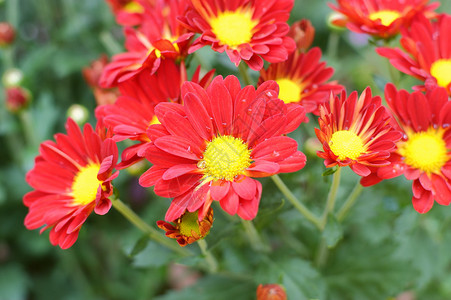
x=382, y=250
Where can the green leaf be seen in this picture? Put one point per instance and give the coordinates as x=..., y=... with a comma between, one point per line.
x=139, y=246
x=330, y=171
x=217, y=287
x=333, y=232
x=154, y=255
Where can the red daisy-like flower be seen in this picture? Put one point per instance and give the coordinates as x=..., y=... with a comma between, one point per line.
x=210, y=147
x=424, y=153
x=380, y=18
x=133, y=112
x=427, y=53
x=302, y=79
x=71, y=178
x=247, y=30
x=159, y=37
x=356, y=132
x=130, y=12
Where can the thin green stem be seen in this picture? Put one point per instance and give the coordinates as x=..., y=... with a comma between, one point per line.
x=242, y=67
x=295, y=202
x=330, y=204
x=211, y=261
x=342, y=212
x=322, y=254
x=152, y=233
x=254, y=236
x=28, y=128
x=108, y=41
x=332, y=45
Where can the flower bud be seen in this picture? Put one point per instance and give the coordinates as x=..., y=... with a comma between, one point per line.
x=78, y=113
x=303, y=33
x=17, y=98
x=7, y=34
x=12, y=77
x=337, y=21
x=271, y=292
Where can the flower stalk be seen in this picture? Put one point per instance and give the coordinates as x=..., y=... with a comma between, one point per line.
x=211, y=261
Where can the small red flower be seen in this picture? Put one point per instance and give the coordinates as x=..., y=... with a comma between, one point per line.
x=188, y=229
x=209, y=148
x=303, y=33
x=17, y=98
x=302, y=79
x=133, y=112
x=7, y=34
x=380, y=18
x=424, y=153
x=130, y=12
x=271, y=292
x=71, y=178
x=427, y=54
x=246, y=30
x=356, y=132
x=159, y=37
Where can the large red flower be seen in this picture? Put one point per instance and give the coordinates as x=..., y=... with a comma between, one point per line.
x=356, y=132
x=424, y=153
x=380, y=18
x=159, y=37
x=427, y=53
x=133, y=112
x=247, y=30
x=71, y=178
x=210, y=147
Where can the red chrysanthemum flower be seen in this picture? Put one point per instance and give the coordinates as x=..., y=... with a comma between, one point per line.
x=356, y=132
x=380, y=18
x=159, y=37
x=210, y=147
x=424, y=153
x=188, y=229
x=303, y=33
x=133, y=112
x=428, y=56
x=247, y=30
x=130, y=12
x=71, y=178
x=302, y=79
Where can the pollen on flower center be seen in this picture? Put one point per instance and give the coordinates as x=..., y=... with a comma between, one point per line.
x=425, y=151
x=386, y=16
x=289, y=91
x=346, y=144
x=233, y=28
x=441, y=70
x=85, y=185
x=225, y=157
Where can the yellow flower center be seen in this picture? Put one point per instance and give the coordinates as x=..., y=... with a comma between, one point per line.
x=188, y=223
x=289, y=91
x=154, y=120
x=85, y=185
x=346, y=144
x=133, y=7
x=224, y=158
x=386, y=16
x=233, y=28
x=441, y=70
x=425, y=150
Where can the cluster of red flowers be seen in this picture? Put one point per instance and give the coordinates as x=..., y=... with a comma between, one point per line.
x=208, y=137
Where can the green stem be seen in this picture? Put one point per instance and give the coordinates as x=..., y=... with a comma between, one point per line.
x=152, y=233
x=211, y=261
x=349, y=202
x=242, y=67
x=330, y=204
x=332, y=45
x=322, y=254
x=254, y=237
x=27, y=126
x=108, y=41
x=12, y=13
x=295, y=202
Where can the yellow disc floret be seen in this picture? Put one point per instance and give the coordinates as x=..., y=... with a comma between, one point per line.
x=289, y=91
x=85, y=185
x=188, y=224
x=441, y=70
x=346, y=144
x=425, y=150
x=386, y=16
x=224, y=158
x=233, y=28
